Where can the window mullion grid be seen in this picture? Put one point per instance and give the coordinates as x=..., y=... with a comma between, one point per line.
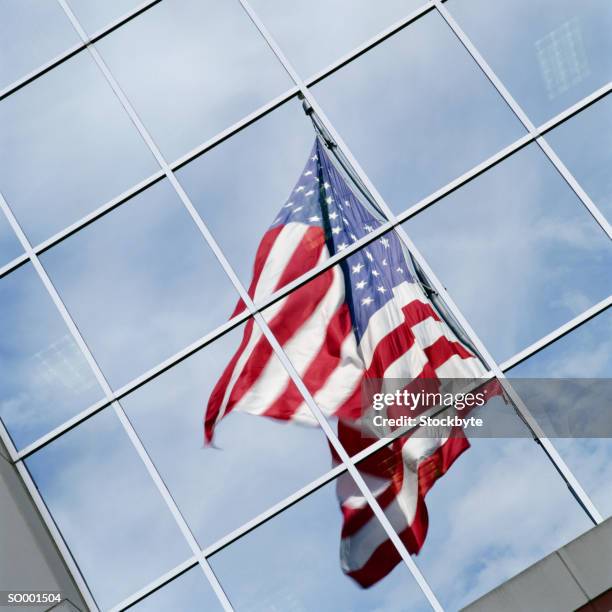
x=145, y=6
x=25, y=475
x=204, y=341
x=258, y=317
x=129, y=430
x=575, y=185
x=523, y=118
x=18, y=457
x=32, y=256
x=551, y=452
x=351, y=467
x=374, y=41
x=557, y=334
x=172, y=506
x=267, y=332
x=149, y=181
x=269, y=107
x=156, y=584
x=77, y=48
x=520, y=406
x=251, y=307
x=310, y=487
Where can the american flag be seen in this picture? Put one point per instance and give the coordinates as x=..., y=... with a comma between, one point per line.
x=365, y=318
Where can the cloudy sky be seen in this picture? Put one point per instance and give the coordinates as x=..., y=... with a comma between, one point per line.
x=515, y=247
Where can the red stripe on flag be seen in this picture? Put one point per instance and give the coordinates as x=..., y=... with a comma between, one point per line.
x=390, y=348
x=386, y=556
x=381, y=563
x=305, y=256
x=218, y=393
x=355, y=519
x=438, y=463
x=416, y=312
x=399, y=340
x=307, y=251
x=295, y=311
x=320, y=368
x=263, y=252
x=442, y=350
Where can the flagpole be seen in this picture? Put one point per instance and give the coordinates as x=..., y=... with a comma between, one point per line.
x=418, y=273
x=333, y=147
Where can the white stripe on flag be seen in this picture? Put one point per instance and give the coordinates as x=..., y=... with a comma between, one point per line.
x=286, y=242
x=301, y=349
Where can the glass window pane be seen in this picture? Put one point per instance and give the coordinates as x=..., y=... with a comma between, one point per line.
x=94, y=16
x=584, y=353
x=31, y=34
x=584, y=145
x=240, y=185
x=141, y=283
x=190, y=592
x=111, y=515
x=477, y=512
x=66, y=147
x=254, y=462
x=259, y=192
x=517, y=250
x=438, y=118
x=295, y=562
x=552, y=53
x=203, y=81
x=9, y=245
x=348, y=23
x=45, y=377
x=366, y=319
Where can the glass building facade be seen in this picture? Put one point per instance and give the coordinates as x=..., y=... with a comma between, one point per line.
x=144, y=151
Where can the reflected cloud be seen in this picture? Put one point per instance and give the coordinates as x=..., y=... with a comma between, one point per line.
x=107, y=508
x=517, y=250
x=502, y=509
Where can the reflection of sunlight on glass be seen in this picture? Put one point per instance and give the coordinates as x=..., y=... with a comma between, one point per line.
x=562, y=58
x=61, y=364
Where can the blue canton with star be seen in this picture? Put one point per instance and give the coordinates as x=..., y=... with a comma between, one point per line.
x=322, y=198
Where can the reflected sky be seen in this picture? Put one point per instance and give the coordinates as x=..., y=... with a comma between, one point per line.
x=255, y=461
x=203, y=81
x=45, y=378
x=417, y=112
x=292, y=563
x=190, y=592
x=583, y=143
x=348, y=23
x=500, y=508
x=110, y=513
x=552, y=53
x=66, y=148
x=9, y=245
x=31, y=34
x=517, y=250
x=584, y=353
x=240, y=185
x=141, y=283
x=490, y=486
x=94, y=15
